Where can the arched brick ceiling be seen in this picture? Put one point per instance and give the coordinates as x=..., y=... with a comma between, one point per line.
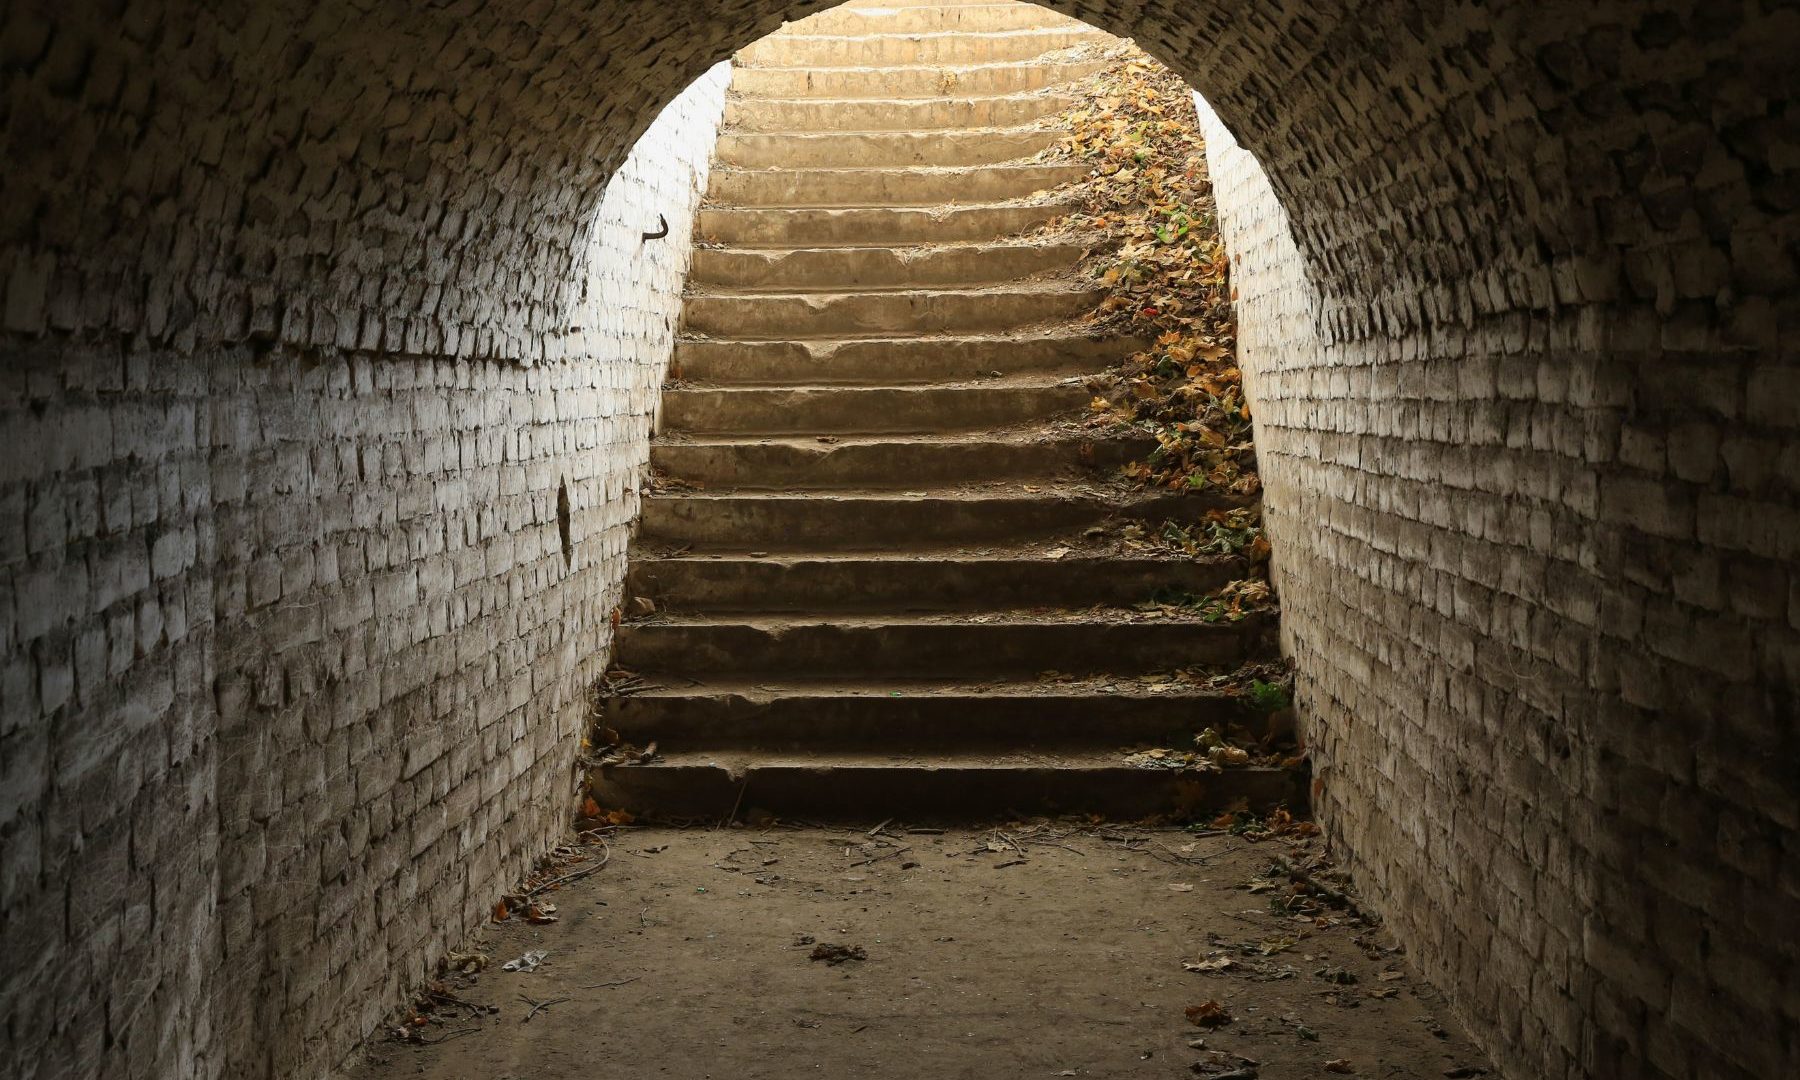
x=418, y=176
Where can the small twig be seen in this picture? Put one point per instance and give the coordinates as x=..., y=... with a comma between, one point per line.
x=1010, y=862
x=615, y=982
x=448, y=1035
x=447, y=998
x=903, y=849
x=605, y=858
x=538, y=1006
x=739, y=801
x=878, y=828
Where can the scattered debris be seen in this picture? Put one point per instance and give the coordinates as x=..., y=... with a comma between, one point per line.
x=1207, y=1014
x=614, y=982
x=465, y=963
x=834, y=954
x=1339, y=1065
x=529, y=962
x=538, y=1006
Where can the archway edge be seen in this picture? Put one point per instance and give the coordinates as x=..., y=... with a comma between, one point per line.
x=418, y=179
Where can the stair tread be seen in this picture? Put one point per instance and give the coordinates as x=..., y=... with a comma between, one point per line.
x=1050, y=492
x=984, y=131
x=998, y=554
x=934, y=760
x=1055, y=286
x=1022, y=381
x=824, y=346
x=886, y=689
x=987, y=617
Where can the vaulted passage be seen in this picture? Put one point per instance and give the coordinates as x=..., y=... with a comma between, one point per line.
x=333, y=336
x=882, y=570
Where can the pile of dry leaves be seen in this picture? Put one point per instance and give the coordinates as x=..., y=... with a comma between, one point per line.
x=1150, y=201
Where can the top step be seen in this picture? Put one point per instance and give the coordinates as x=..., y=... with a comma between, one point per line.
x=935, y=18
x=889, y=82
x=957, y=47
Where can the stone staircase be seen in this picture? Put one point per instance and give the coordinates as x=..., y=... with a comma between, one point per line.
x=881, y=572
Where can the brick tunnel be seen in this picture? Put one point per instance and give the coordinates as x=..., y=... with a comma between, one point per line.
x=331, y=357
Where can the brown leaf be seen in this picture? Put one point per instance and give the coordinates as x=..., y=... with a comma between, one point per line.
x=1207, y=1014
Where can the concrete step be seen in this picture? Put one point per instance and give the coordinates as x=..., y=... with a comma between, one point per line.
x=879, y=49
x=863, y=314
x=989, y=645
x=881, y=149
x=869, y=226
x=923, y=580
x=840, y=268
x=889, y=19
x=861, y=114
x=947, y=787
x=1101, y=712
x=874, y=461
x=826, y=410
x=885, y=520
x=889, y=82
x=896, y=360
x=913, y=186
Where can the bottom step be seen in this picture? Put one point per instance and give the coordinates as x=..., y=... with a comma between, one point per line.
x=859, y=787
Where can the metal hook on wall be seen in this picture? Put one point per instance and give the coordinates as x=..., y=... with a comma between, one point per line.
x=662, y=229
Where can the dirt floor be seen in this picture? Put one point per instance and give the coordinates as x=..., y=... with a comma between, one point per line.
x=1027, y=950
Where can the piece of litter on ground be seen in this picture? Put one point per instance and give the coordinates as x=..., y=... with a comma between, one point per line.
x=527, y=962
x=835, y=954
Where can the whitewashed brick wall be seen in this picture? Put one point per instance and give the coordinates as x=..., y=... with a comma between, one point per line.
x=296, y=661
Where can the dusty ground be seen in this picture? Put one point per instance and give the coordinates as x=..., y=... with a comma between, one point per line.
x=690, y=955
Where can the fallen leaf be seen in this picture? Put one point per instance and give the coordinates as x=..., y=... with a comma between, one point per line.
x=1207, y=1014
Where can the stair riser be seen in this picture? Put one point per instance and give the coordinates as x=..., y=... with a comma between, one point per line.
x=935, y=793
x=863, y=314
x=885, y=187
x=972, y=18
x=882, y=84
x=891, y=362
x=896, y=465
x=905, y=49
x=851, y=585
x=800, y=523
x=749, y=115
x=932, y=650
x=869, y=226
x=872, y=268
x=881, y=149
x=863, y=411
x=956, y=723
